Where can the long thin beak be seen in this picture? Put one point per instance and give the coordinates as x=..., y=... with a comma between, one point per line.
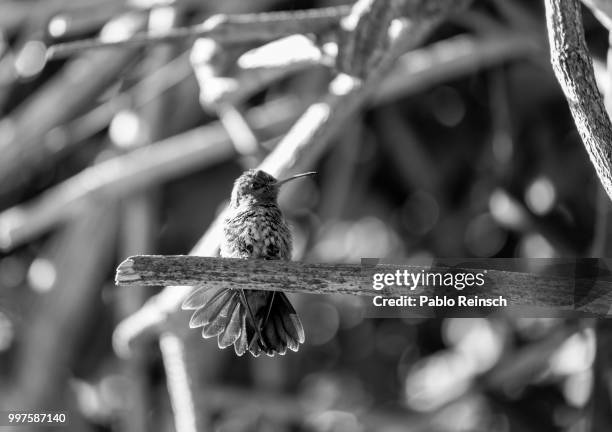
x=297, y=176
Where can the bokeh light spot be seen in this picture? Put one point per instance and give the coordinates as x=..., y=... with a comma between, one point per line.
x=575, y=355
x=476, y=338
x=535, y=246
x=125, y=129
x=506, y=210
x=161, y=19
x=540, y=196
x=42, y=275
x=58, y=25
x=31, y=59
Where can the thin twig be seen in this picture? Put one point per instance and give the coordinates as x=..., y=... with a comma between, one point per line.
x=179, y=383
x=573, y=67
x=14, y=14
x=226, y=29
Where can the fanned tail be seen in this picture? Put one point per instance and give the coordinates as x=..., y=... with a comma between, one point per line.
x=267, y=324
x=281, y=328
x=219, y=312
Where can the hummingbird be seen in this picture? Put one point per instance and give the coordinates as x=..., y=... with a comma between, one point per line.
x=252, y=320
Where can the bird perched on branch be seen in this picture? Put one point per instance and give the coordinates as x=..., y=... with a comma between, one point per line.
x=252, y=320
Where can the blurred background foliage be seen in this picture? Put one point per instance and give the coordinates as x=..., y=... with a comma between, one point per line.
x=481, y=160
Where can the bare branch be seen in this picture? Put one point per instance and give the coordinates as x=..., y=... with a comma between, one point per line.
x=520, y=289
x=573, y=67
x=236, y=273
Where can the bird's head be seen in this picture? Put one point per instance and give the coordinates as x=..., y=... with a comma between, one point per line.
x=258, y=187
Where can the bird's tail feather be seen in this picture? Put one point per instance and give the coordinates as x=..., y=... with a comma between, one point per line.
x=282, y=329
x=272, y=329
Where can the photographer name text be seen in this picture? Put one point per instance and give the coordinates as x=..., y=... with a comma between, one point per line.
x=424, y=279
x=439, y=301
